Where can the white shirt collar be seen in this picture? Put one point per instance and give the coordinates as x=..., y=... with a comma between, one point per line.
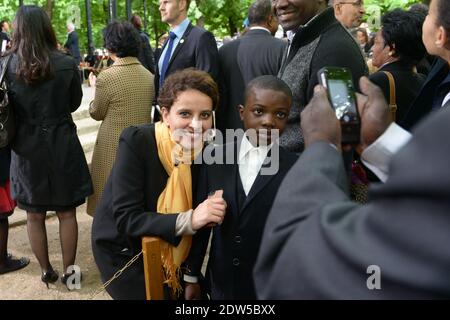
x=247, y=146
x=260, y=28
x=181, y=28
x=446, y=99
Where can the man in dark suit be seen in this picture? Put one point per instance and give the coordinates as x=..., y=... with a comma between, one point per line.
x=249, y=172
x=431, y=91
x=320, y=245
x=72, y=42
x=146, y=56
x=255, y=54
x=190, y=46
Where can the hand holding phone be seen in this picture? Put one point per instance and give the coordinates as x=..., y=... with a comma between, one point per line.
x=339, y=85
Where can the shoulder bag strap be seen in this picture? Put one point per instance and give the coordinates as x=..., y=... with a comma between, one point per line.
x=392, y=97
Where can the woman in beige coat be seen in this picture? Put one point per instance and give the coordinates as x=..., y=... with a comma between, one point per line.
x=123, y=97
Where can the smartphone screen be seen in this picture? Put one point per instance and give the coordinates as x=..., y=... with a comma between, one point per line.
x=342, y=100
x=339, y=85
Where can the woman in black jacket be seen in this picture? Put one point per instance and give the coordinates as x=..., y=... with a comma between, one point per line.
x=48, y=168
x=149, y=190
x=397, y=49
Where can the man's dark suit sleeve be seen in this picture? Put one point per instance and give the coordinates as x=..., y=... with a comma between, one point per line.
x=207, y=55
x=147, y=53
x=127, y=193
x=320, y=245
x=332, y=55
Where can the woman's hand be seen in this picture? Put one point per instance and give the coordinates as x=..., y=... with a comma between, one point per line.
x=192, y=291
x=212, y=210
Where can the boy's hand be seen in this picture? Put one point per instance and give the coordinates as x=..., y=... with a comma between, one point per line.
x=212, y=210
x=192, y=291
x=318, y=120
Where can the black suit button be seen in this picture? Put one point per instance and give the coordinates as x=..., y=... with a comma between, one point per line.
x=236, y=262
x=237, y=239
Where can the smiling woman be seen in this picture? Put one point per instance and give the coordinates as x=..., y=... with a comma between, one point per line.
x=149, y=192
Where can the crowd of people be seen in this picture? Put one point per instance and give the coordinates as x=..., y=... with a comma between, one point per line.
x=237, y=151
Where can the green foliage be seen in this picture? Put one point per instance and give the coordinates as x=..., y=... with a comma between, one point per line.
x=387, y=5
x=221, y=17
x=376, y=8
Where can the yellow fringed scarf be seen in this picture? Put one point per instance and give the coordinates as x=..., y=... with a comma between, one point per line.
x=176, y=197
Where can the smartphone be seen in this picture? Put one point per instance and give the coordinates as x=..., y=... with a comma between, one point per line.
x=339, y=85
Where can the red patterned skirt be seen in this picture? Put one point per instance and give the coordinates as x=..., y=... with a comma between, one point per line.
x=7, y=204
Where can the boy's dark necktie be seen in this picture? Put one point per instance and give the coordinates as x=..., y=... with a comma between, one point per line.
x=166, y=60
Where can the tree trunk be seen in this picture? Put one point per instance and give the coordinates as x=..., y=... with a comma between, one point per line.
x=232, y=26
x=49, y=8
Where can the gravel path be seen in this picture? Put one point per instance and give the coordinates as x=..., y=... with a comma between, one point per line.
x=26, y=283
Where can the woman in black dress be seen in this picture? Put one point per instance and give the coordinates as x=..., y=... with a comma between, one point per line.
x=48, y=168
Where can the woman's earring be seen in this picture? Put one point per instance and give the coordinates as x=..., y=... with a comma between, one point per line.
x=212, y=132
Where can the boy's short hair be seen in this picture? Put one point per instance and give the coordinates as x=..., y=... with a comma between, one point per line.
x=268, y=82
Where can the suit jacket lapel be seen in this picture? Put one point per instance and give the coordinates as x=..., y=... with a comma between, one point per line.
x=230, y=176
x=180, y=44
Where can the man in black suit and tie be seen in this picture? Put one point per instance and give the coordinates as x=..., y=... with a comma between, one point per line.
x=72, y=42
x=187, y=45
x=255, y=54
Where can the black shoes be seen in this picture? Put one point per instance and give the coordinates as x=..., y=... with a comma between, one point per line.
x=65, y=278
x=12, y=264
x=49, y=277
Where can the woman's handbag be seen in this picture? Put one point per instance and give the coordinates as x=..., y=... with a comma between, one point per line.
x=7, y=121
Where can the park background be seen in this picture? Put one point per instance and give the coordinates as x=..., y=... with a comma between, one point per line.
x=221, y=17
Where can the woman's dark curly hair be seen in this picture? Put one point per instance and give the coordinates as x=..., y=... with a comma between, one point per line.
x=184, y=80
x=33, y=40
x=402, y=31
x=122, y=39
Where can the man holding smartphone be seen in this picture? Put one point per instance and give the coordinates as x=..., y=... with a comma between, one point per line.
x=390, y=248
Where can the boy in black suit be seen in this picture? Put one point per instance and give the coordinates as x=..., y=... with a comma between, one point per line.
x=249, y=186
